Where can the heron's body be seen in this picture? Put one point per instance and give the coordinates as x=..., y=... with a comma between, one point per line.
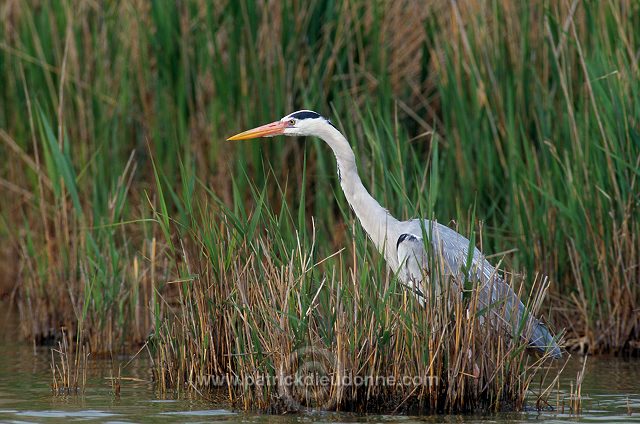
x=402, y=242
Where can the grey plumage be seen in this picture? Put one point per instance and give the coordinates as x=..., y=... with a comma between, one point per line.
x=451, y=250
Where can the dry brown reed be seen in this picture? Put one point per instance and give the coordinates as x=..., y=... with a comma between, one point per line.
x=294, y=333
x=68, y=368
x=575, y=396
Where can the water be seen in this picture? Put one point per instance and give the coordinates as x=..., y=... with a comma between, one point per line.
x=611, y=385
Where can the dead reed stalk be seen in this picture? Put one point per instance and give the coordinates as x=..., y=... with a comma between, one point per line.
x=68, y=368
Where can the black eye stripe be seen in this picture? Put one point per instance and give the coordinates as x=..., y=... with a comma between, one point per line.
x=305, y=114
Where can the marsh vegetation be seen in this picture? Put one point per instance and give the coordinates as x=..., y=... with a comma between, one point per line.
x=128, y=219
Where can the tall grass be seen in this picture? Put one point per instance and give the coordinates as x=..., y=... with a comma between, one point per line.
x=281, y=328
x=532, y=108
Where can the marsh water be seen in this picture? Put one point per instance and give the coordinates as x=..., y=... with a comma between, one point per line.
x=611, y=389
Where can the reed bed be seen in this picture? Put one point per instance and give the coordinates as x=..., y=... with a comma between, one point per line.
x=279, y=328
x=525, y=113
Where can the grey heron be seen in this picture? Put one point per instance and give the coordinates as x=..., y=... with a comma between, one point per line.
x=402, y=243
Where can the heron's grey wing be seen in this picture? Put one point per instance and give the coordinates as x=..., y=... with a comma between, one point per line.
x=496, y=297
x=495, y=293
x=413, y=264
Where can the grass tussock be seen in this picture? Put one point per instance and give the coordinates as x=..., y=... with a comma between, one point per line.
x=68, y=368
x=280, y=329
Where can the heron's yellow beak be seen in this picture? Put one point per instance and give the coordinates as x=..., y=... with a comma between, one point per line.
x=269, y=130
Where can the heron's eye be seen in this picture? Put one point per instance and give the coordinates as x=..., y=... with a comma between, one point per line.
x=292, y=122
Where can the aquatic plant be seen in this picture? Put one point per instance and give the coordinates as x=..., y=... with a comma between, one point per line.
x=532, y=106
x=279, y=327
x=68, y=368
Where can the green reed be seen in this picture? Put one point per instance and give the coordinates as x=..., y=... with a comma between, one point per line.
x=532, y=109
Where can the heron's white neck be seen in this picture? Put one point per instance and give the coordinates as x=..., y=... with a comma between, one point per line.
x=376, y=221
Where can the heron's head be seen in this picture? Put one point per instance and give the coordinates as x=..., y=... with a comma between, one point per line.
x=302, y=122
